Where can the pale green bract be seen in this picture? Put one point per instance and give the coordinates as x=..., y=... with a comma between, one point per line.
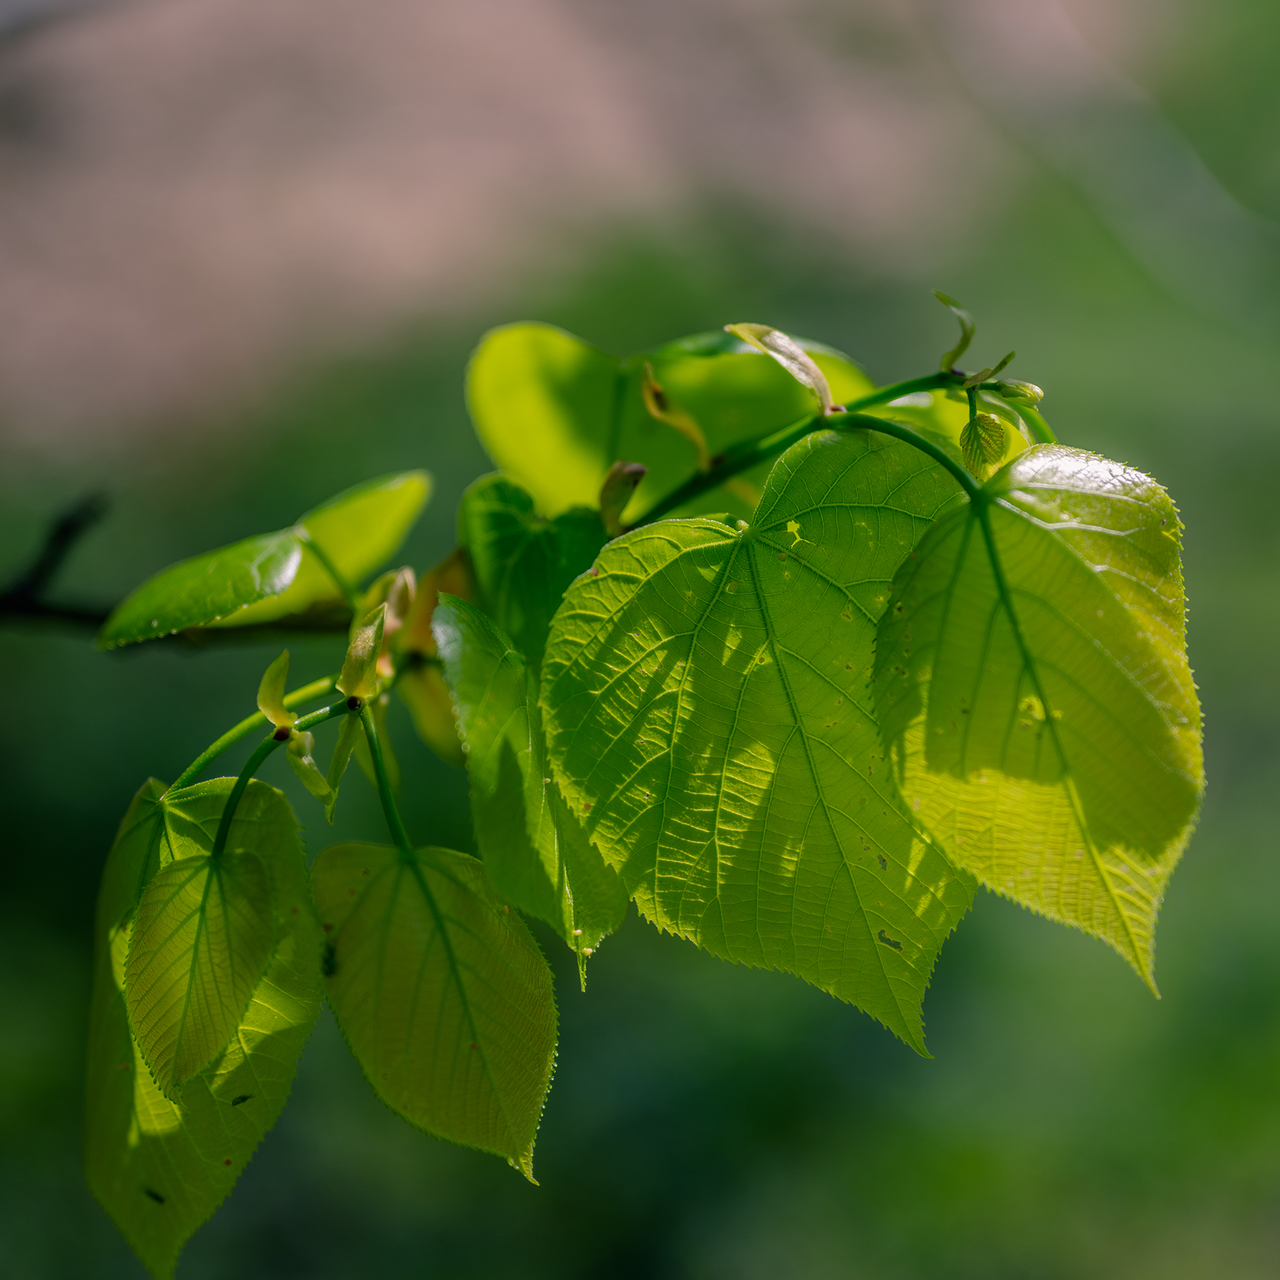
x=535, y=850
x=442, y=994
x=708, y=717
x=1032, y=682
x=522, y=561
x=161, y=1167
x=277, y=576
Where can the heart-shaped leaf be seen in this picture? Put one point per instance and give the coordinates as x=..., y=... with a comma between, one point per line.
x=708, y=716
x=1032, y=683
x=202, y=938
x=161, y=1167
x=442, y=994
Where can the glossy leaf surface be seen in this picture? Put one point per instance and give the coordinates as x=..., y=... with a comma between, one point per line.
x=535, y=850
x=1032, y=682
x=555, y=412
x=708, y=715
x=522, y=561
x=161, y=1167
x=271, y=577
x=443, y=996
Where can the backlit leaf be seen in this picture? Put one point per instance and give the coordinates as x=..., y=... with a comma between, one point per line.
x=1032, y=683
x=522, y=561
x=535, y=850
x=554, y=412
x=443, y=996
x=202, y=938
x=708, y=716
x=160, y=1168
x=272, y=577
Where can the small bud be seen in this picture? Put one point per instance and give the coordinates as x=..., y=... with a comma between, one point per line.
x=791, y=356
x=1024, y=392
x=616, y=492
x=660, y=407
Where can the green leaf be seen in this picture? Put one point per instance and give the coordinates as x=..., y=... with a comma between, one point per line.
x=707, y=713
x=790, y=355
x=271, y=693
x=202, y=938
x=359, y=678
x=272, y=577
x=349, y=735
x=554, y=412
x=443, y=995
x=522, y=561
x=160, y=1168
x=535, y=850
x=1032, y=682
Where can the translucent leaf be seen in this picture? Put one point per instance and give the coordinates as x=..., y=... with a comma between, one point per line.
x=536, y=853
x=442, y=994
x=522, y=561
x=422, y=689
x=790, y=355
x=1032, y=682
x=707, y=713
x=160, y=1168
x=272, y=577
x=982, y=442
x=359, y=678
x=202, y=938
x=349, y=735
x=271, y=693
x=554, y=412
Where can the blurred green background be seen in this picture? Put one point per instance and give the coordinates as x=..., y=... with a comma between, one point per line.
x=709, y=1122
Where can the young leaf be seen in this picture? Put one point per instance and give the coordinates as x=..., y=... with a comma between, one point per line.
x=301, y=761
x=202, y=939
x=661, y=407
x=349, y=735
x=523, y=562
x=536, y=853
x=273, y=577
x=160, y=1168
x=555, y=413
x=1032, y=684
x=359, y=678
x=271, y=693
x=790, y=355
x=443, y=996
x=422, y=689
x=983, y=443
x=705, y=698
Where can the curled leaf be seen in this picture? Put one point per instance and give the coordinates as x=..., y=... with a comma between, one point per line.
x=359, y=678
x=271, y=693
x=659, y=406
x=1020, y=392
x=301, y=745
x=983, y=374
x=616, y=492
x=967, y=330
x=791, y=356
x=350, y=734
